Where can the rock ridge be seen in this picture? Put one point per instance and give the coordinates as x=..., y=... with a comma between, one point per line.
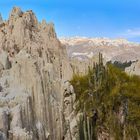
x=33, y=69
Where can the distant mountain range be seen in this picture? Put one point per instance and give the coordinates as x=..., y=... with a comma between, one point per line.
x=112, y=49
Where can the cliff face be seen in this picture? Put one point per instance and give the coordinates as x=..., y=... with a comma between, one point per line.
x=34, y=74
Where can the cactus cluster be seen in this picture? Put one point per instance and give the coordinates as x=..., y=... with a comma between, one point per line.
x=109, y=101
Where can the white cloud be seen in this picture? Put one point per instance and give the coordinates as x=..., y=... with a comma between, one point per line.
x=131, y=33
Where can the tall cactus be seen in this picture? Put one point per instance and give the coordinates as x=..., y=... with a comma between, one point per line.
x=1, y=20
x=87, y=124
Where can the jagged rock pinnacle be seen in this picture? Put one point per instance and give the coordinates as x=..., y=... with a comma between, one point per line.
x=16, y=12
x=30, y=51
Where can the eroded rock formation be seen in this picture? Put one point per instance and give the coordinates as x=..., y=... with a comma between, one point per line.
x=34, y=69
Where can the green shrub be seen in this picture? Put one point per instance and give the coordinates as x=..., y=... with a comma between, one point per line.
x=107, y=89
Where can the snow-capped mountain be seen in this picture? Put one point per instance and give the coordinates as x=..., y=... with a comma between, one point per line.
x=112, y=49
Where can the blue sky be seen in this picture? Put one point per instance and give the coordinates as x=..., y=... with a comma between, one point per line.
x=91, y=18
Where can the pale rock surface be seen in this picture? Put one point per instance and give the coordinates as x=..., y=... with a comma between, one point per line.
x=33, y=69
x=70, y=116
x=134, y=69
x=2, y=136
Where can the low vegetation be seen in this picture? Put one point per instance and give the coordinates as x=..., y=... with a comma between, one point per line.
x=109, y=100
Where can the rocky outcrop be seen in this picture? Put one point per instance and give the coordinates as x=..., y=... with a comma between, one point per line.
x=70, y=116
x=33, y=69
x=134, y=69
